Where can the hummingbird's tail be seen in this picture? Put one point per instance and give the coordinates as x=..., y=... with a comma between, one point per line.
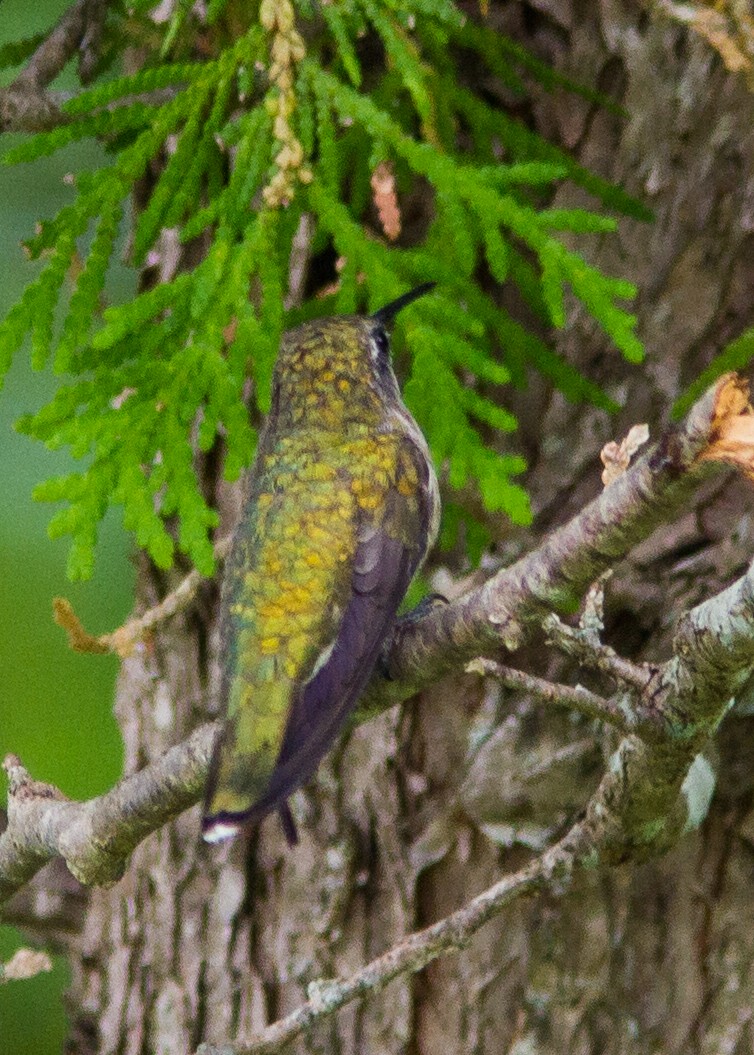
x=237, y=780
x=244, y=759
x=215, y=829
x=289, y=825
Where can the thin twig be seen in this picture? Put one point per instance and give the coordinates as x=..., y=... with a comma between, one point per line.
x=25, y=106
x=60, y=44
x=553, y=869
x=90, y=45
x=125, y=639
x=582, y=645
x=573, y=698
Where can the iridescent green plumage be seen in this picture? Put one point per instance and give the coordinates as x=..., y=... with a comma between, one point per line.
x=341, y=510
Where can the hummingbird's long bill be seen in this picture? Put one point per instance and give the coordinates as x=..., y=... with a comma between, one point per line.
x=386, y=315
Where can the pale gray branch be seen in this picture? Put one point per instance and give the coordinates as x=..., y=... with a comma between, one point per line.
x=95, y=838
x=713, y=642
x=640, y=794
x=583, y=645
x=571, y=697
x=553, y=870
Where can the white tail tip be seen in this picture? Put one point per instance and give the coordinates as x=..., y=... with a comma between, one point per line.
x=220, y=831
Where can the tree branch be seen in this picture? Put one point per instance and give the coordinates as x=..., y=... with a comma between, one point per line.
x=126, y=638
x=95, y=838
x=587, y=648
x=25, y=106
x=638, y=794
x=60, y=45
x=554, y=869
x=574, y=698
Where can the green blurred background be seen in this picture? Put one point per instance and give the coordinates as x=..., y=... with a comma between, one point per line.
x=55, y=706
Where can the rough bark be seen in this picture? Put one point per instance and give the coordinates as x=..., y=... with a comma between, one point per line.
x=197, y=944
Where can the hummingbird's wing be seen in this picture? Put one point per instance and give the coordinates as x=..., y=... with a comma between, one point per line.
x=287, y=580
x=323, y=705
x=316, y=580
x=388, y=552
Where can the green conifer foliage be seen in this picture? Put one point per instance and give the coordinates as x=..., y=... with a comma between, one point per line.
x=289, y=111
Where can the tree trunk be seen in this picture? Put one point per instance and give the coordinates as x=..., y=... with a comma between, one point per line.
x=409, y=817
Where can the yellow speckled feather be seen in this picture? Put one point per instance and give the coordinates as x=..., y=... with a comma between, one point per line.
x=283, y=611
x=340, y=512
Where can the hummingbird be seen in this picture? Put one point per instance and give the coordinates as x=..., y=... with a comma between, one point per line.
x=342, y=507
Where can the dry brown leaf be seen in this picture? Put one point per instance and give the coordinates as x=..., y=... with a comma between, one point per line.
x=79, y=639
x=732, y=432
x=386, y=199
x=616, y=457
x=230, y=331
x=122, y=641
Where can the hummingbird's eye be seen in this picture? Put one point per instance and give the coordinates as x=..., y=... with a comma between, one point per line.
x=381, y=347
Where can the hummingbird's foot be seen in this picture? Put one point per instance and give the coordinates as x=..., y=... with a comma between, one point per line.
x=423, y=609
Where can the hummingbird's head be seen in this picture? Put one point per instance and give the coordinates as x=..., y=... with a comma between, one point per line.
x=332, y=369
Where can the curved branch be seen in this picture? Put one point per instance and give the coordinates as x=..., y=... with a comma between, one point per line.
x=25, y=106
x=126, y=638
x=553, y=869
x=96, y=837
x=574, y=698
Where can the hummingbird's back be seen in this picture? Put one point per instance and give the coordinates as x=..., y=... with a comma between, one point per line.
x=341, y=511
